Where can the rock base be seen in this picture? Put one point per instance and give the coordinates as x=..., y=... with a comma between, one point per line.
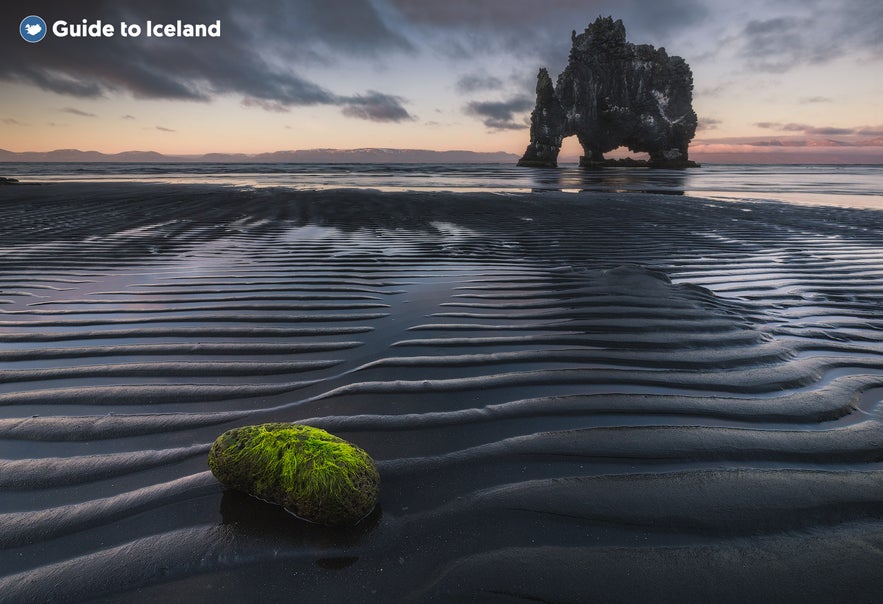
x=628, y=162
x=536, y=163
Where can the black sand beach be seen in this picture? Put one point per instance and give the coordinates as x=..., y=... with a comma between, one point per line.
x=571, y=398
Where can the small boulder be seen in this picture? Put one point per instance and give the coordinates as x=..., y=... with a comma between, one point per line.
x=313, y=474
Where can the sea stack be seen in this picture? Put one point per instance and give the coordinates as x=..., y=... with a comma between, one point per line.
x=614, y=94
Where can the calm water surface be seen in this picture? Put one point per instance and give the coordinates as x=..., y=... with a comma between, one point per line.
x=842, y=185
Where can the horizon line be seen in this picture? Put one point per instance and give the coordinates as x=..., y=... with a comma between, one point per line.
x=741, y=156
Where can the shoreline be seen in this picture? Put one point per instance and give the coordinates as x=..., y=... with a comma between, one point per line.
x=843, y=186
x=820, y=200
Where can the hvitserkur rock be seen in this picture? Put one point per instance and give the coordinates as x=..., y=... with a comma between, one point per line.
x=614, y=94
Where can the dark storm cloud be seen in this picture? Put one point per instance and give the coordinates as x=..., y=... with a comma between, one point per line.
x=500, y=115
x=265, y=47
x=257, y=56
x=377, y=107
x=51, y=80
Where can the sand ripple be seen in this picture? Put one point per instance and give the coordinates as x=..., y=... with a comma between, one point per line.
x=569, y=397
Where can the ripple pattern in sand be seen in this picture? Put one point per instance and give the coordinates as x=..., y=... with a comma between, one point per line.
x=639, y=384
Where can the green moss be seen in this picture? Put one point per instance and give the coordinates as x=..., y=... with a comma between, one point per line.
x=313, y=474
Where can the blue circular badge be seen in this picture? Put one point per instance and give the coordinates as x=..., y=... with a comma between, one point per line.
x=32, y=28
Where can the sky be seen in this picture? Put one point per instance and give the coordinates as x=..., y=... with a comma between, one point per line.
x=772, y=78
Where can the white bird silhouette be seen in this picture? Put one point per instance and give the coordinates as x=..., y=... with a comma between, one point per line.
x=33, y=28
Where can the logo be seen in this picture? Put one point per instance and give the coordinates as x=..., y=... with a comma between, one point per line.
x=32, y=29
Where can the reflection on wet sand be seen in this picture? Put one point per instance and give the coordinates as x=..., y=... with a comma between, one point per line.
x=574, y=179
x=564, y=393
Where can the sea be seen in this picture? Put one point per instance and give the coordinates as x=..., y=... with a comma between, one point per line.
x=857, y=186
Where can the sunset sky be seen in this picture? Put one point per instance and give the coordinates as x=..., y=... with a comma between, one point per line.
x=771, y=76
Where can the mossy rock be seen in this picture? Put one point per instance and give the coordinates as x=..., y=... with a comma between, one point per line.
x=311, y=473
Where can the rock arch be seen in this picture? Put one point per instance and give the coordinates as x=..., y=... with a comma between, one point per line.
x=613, y=94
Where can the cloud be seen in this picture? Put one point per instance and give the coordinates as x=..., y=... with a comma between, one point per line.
x=738, y=152
x=850, y=26
x=708, y=123
x=348, y=26
x=127, y=117
x=717, y=91
x=257, y=56
x=266, y=105
x=823, y=32
x=776, y=143
x=51, y=79
x=815, y=99
x=478, y=82
x=376, y=107
x=789, y=127
x=163, y=129
x=275, y=56
x=818, y=130
x=79, y=112
x=778, y=44
x=9, y=121
x=830, y=131
x=538, y=32
x=499, y=115
x=524, y=14
x=858, y=137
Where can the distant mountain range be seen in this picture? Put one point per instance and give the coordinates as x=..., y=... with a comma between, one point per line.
x=785, y=152
x=381, y=156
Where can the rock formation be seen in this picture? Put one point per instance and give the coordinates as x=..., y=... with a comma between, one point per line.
x=612, y=94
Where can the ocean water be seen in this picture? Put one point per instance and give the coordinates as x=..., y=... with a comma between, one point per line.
x=859, y=186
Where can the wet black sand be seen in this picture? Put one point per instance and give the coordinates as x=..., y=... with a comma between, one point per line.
x=570, y=397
